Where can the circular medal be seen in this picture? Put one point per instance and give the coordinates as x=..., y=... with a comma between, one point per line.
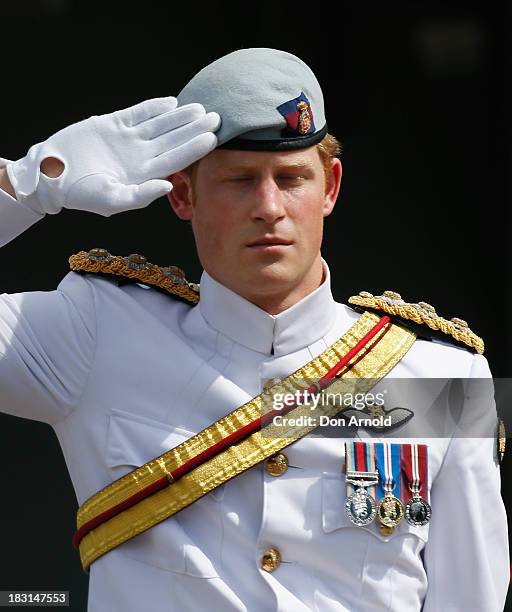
x=418, y=511
x=390, y=510
x=360, y=507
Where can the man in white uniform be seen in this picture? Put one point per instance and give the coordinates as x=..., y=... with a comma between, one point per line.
x=123, y=372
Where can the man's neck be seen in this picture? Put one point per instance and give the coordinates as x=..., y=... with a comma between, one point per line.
x=246, y=323
x=276, y=303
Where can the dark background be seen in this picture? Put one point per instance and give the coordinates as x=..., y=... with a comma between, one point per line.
x=419, y=94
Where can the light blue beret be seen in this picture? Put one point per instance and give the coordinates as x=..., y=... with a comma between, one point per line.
x=267, y=100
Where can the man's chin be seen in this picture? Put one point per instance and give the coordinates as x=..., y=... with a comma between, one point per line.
x=266, y=257
x=267, y=277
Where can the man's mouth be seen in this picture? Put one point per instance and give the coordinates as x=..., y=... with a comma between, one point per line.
x=269, y=243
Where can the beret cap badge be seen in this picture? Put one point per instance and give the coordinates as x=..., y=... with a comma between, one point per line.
x=298, y=115
x=304, y=118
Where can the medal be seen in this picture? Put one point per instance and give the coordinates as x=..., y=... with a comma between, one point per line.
x=417, y=509
x=360, y=506
x=390, y=510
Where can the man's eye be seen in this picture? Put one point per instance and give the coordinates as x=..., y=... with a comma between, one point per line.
x=297, y=178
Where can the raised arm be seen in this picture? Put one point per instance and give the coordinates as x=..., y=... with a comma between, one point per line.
x=105, y=164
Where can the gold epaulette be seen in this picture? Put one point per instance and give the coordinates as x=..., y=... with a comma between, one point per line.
x=136, y=268
x=419, y=313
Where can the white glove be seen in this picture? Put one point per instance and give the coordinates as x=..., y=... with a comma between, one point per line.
x=118, y=161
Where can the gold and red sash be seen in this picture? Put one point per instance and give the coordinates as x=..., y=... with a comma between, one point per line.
x=165, y=485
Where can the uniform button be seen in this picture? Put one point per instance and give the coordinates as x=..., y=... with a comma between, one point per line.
x=277, y=465
x=271, y=560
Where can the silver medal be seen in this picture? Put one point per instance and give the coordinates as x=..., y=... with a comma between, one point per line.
x=360, y=507
x=417, y=510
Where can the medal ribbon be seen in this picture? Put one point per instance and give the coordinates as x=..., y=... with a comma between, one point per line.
x=360, y=457
x=388, y=466
x=415, y=469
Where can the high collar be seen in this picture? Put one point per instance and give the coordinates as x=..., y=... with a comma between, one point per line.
x=237, y=318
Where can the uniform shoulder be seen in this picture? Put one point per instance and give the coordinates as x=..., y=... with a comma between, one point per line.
x=421, y=318
x=136, y=268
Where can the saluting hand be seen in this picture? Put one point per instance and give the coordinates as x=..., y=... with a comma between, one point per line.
x=115, y=162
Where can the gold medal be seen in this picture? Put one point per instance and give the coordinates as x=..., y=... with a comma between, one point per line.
x=390, y=510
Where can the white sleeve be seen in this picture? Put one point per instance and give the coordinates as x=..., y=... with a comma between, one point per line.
x=15, y=217
x=47, y=341
x=467, y=557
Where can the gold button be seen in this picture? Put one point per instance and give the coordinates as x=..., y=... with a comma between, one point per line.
x=277, y=465
x=271, y=560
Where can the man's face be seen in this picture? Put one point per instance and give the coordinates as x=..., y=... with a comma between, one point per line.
x=257, y=217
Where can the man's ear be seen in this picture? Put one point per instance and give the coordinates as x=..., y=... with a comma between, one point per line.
x=181, y=195
x=332, y=187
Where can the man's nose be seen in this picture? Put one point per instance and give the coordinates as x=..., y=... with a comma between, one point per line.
x=268, y=202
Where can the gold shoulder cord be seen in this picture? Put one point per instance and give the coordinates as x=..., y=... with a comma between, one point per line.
x=137, y=268
x=421, y=313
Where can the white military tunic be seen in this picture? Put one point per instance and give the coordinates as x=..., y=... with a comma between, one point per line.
x=123, y=373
